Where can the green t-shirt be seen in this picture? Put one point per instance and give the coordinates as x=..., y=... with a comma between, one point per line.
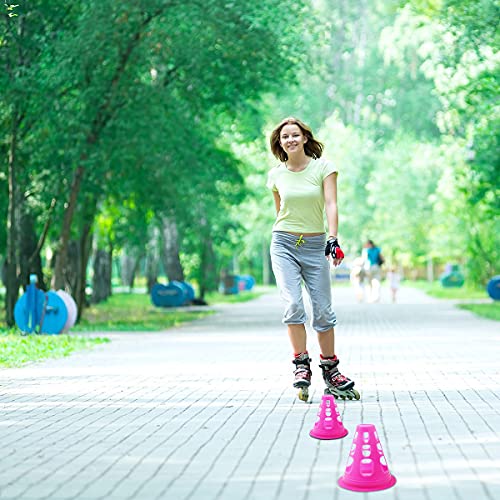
x=302, y=199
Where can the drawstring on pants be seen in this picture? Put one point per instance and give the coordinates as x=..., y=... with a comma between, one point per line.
x=300, y=242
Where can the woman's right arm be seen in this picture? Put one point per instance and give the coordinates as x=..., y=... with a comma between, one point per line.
x=277, y=201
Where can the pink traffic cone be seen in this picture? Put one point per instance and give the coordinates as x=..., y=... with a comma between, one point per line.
x=329, y=424
x=366, y=468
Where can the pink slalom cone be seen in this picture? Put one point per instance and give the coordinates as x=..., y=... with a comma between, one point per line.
x=366, y=468
x=329, y=424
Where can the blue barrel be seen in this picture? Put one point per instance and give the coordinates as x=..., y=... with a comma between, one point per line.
x=39, y=312
x=493, y=287
x=55, y=314
x=229, y=285
x=452, y=277
x=188, y=291
x=28, y=309
x=171, y=295
x=245, y=282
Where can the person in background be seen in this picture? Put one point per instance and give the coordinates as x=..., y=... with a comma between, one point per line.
x=304, y=186
x=373, y=259
x=357, y=278
x=393, y=280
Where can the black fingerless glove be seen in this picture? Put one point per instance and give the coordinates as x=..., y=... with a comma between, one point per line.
x=333, y=248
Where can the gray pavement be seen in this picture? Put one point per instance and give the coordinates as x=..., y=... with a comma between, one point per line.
x=207, y=411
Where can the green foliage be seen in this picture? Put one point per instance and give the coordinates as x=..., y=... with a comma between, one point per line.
x=16, y=349
x=135, y=98
x=133, y=312
x=167, y=107
x=436, y=289
x=490, y=311
x=487, y=309
x=406, y=98
x=476, y=22
x=218, y=298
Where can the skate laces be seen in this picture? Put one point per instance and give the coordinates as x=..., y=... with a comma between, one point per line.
x=302, y=372
x=338, y=378
x=332, y=373
x=302, y=366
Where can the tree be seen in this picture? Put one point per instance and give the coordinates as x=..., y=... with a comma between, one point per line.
x=108, y=86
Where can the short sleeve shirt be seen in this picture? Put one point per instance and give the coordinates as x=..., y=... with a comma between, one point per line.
x=302, y=205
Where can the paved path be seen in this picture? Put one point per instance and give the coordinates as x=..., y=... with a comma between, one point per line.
x=207, y=411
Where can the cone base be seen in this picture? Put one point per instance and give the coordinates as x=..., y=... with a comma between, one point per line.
x=355, y=486
x=328, y=435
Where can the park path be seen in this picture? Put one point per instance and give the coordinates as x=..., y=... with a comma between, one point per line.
x=206, y=411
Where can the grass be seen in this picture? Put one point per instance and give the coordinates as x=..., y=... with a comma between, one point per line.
x=132, y=312
x=135, y=312
x=218, y=298
x=121, y=312
x=17, y=349
x=490, y=310
x=435, y=289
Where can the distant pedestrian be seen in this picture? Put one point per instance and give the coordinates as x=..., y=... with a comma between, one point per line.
x=373, y=259
x=304, y=187
x=357, y=278
x=393, y=279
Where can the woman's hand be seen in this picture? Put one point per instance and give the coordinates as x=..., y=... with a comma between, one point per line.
x=333, y=251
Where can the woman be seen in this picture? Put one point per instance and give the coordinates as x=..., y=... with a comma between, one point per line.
x=304, y=186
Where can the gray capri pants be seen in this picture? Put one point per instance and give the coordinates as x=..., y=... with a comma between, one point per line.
x=292, y=262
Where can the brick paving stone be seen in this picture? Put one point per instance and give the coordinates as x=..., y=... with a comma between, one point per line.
x=206, y=411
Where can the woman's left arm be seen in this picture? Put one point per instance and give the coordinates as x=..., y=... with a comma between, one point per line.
x=330, y=193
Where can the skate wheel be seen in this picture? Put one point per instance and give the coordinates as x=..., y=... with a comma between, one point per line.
x=303, y=395
x=356, y=394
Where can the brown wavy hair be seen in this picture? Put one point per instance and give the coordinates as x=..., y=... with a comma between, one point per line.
x=312, y=147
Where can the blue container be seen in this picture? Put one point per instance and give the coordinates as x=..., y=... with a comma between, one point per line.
x=229, y=285
x=55, y=314
x=28, y=310
x=245, y=282
x=39, y=312
x=171, y=295
x=188, y=290
x=452, y=277
x=493, y=287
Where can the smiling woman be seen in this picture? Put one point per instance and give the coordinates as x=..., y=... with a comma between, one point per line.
x=304, y=187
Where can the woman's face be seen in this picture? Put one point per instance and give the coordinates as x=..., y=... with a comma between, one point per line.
x=292, y=139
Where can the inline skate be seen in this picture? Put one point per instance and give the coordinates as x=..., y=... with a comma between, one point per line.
x=302, y=374
x=337, y=384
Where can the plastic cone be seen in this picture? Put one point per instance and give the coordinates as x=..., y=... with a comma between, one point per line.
x=366, y=468
x=329, y=424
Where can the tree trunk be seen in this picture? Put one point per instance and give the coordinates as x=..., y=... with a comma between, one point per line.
x=104, y=113
x=11, y=269
x=84, y=256
x=153, y=260
x=151, y=272
x=70, y=272
x=101, y=282
x=58, y=281
x=30, y=260
x=361, y=49
x=170, y=250
x=129, y=265
x=208, y=280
